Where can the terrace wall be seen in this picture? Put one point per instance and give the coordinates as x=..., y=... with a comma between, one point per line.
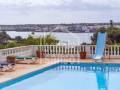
x=65, y=51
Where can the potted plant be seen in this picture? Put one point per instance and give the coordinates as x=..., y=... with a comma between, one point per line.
x=82, y=53
x=11, y=59
x=40, y=53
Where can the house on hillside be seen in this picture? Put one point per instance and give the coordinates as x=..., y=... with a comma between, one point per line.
x=4, y=37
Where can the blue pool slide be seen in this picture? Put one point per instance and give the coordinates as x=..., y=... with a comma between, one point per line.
x=100, y=47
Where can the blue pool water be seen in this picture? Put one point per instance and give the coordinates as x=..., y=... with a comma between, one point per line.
x=70, y=77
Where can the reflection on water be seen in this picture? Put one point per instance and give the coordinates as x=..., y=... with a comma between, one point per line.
x=102, y=80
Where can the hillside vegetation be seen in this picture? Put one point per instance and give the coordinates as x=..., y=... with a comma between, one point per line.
x=19, y=41
x=113, y=35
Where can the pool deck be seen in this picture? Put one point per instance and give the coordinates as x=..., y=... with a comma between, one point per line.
x=21, y=69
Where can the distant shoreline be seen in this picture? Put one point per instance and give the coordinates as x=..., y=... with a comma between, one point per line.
x=64, y=28
x=99, y=23
x=45, y=32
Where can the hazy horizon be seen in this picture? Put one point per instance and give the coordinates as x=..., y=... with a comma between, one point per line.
x=14, y=12
x=58, y=23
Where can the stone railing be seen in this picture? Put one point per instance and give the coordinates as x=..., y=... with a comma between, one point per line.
x=17, y=51
x=111, y=51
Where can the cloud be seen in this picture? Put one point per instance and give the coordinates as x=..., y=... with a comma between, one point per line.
x=59, y=2
x=96, y=2
x=63, y=4
x=35, y=2
x=53, y=11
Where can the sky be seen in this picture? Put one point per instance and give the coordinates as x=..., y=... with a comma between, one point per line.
x=58, y=11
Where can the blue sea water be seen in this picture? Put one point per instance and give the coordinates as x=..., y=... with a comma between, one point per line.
x=71, y=38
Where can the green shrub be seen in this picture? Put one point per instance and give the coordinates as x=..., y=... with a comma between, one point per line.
x=11, y=44
x=113, y=35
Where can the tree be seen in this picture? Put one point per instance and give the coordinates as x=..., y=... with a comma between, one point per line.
x=113, y=35
x=18, y=38
x=111, y=24
x=47, y=40
x=50, y=40
x=94, y=37
x=11, y=44
x=4, y=37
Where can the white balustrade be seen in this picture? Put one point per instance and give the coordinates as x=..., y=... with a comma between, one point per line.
x=111, y=51
x=17, y=51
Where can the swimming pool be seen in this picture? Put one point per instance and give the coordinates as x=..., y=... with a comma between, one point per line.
x=69, y=76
